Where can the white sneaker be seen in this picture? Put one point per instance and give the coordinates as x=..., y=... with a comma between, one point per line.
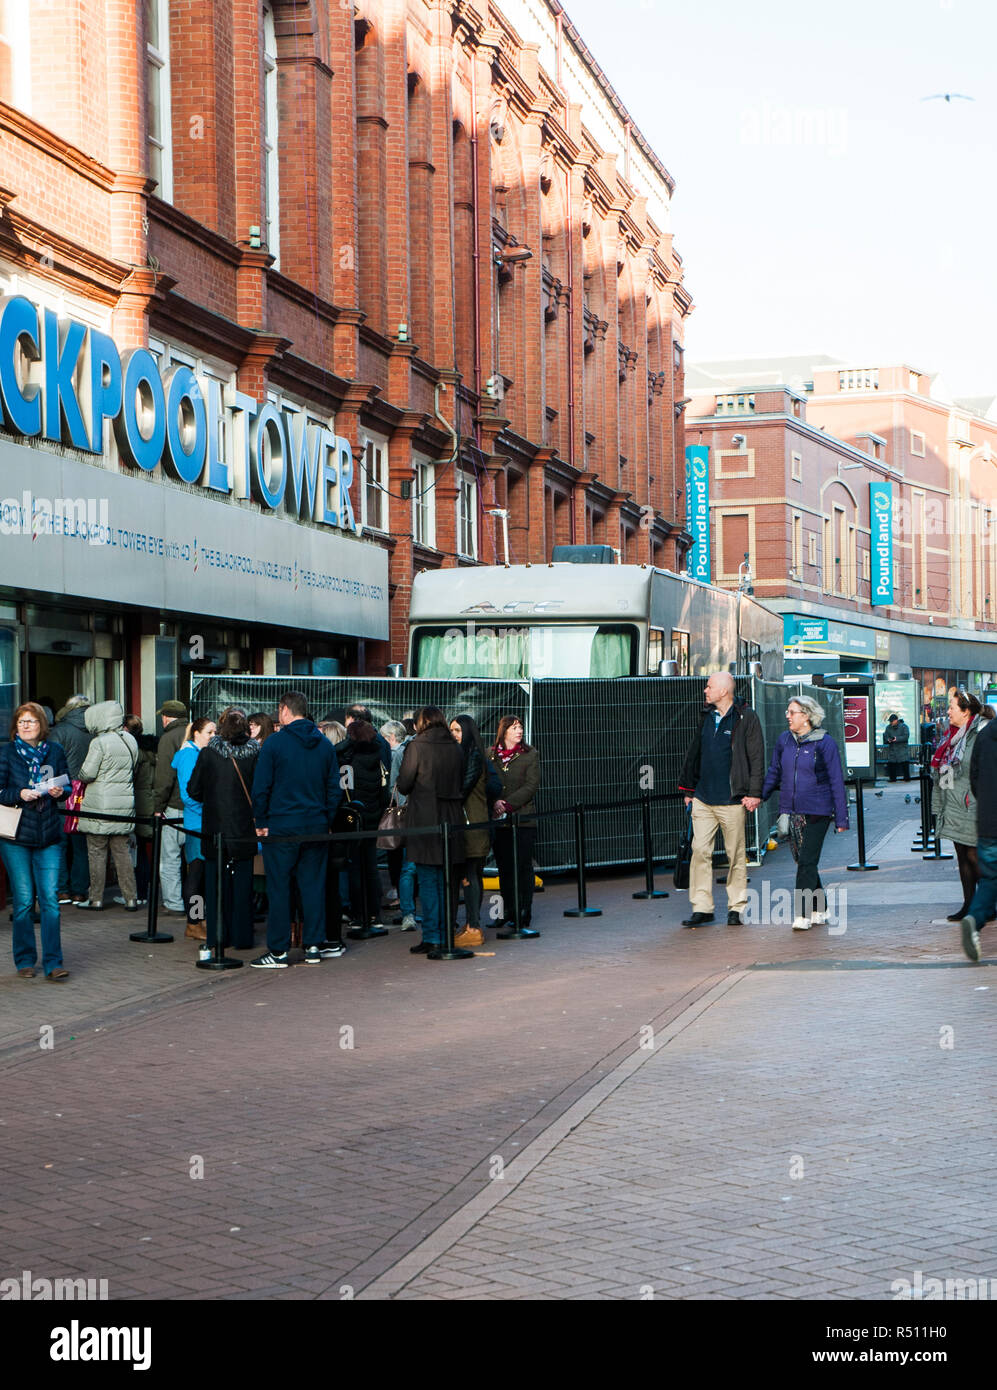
x=818, y=919
x=408, y=922
x=801, y=924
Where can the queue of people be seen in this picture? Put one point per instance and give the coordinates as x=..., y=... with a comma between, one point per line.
x=273, y=789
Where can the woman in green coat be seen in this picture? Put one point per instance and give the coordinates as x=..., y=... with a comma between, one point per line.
x=953, y=796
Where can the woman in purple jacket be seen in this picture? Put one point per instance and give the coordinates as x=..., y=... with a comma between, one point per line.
x=806, y=767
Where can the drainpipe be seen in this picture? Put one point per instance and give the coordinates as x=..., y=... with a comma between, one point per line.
x=476, y=255
x=571, y=287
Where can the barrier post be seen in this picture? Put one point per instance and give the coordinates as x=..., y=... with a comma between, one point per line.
x=924, y=780
x=150, y=933
x=219, y=961
x=860, y=821
x=448, y=951
x=937, y=838
x=519, y=932
x=649, y=890
x=581, y=910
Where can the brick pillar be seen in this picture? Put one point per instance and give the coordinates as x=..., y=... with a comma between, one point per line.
x=536, y=536
x=343, y=113
x=401, y=564
x=395, y=187
x=247, y=46
x=125, y=105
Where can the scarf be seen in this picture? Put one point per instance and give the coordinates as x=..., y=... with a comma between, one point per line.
x=944, y=743
x=34, y=757
x=506, y=755
x=954, y=746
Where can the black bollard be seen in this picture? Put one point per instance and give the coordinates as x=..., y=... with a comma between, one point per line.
x=150, y=933
x=519, y=932
x=365, y=932
x=448, y=951
x=219, y=961
x=582, y=910
x=860, y=818
x=649, y=890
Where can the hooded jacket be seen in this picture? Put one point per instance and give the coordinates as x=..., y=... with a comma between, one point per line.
x=367, y=783
x=747, y=754
x=954, y=800
x=73, y=736
x=810, y=783
x=431, y=774
x=983, y=780
x=109, y=771
x=296, y=787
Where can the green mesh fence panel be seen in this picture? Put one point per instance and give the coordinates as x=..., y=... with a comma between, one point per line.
x=600, y=741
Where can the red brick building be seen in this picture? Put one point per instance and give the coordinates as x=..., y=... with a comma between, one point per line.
x=795, y=445
x=423, y=234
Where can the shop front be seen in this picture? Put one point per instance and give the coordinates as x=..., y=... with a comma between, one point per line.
x=149, y=530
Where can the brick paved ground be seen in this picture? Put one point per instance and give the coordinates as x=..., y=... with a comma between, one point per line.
x=329, y=1167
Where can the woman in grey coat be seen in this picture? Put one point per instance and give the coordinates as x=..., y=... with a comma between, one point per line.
x=108, y=771
x=953, y=796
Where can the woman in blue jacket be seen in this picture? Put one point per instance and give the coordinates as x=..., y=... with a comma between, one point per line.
x=806, y=767
x=199, y=735
x=32, y=858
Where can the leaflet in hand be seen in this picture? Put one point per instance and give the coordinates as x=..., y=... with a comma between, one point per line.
x=61, y=781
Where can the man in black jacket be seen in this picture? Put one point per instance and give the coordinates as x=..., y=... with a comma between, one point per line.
x=72, y=733
x=295, y=792
x=722, y=778
x=983, y=784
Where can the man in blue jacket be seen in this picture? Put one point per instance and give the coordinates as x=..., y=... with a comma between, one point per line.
x=295, y=792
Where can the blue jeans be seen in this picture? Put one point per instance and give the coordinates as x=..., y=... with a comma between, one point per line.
x=981, y=909
x=431, y=897
x=406, y=888
x=32, y=871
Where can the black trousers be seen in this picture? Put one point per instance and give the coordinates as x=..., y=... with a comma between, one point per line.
x=193, y=887
x=364, y=877
x=237, y=903
x=503, y=858
x=807, y=875
x=333, y=900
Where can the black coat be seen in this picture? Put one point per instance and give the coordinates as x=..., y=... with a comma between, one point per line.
x=72, y=734
x=363, y=757
x=431, y=777
x=983, y=780
x=747, y=760
x=215, y=783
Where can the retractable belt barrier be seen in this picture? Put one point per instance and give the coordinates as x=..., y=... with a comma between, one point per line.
x=445, y=829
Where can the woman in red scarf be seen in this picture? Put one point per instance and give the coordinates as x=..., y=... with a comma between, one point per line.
x=518, y=766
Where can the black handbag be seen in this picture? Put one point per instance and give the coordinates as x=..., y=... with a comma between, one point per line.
x=683, y=856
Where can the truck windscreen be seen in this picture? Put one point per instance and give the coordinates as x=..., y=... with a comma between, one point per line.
x=530, y=650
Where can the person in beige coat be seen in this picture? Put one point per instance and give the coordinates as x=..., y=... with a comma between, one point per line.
x=108, y=771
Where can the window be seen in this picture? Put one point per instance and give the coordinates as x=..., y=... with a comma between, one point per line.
x=812, y=548
x=655, y=650
x=797, y=467
x=373, y=484
x=797, y=558
x=467, y=516
x=866, y=570
x=513, y=653
x=735, y=405
x=424, y=504
x=271, y=176
x=680, y=651
x=15, y=58
x=917, y=444
x=859, y=379
x=159, y=133
x=828, y=556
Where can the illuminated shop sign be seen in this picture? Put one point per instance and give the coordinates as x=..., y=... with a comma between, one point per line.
x=60, y=380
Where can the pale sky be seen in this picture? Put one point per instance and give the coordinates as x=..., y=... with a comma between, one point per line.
x=821, y=206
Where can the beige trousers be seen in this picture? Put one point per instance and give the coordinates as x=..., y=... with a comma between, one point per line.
x=705, y=821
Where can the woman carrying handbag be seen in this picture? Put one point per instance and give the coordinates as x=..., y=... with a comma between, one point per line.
x=222, y=781
x=31, y=838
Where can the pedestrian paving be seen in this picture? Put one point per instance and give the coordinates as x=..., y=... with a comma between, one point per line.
x=327, y=1133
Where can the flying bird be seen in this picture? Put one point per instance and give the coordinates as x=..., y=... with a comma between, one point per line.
x=949, y=96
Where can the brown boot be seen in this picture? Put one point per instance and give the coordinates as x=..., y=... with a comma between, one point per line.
x=197, y=931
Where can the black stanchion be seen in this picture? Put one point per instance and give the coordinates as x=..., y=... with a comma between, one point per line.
x=150, y=933
x=366, y=931
x=861, y=866
x=924, y=834
x=649, y=890
x=448, y=951
x=582, y=910
x=937, y=839
x=519, y=932
x=219, y=961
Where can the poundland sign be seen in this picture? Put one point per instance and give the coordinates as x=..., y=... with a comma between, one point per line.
x=60, y=380
x=881, y=543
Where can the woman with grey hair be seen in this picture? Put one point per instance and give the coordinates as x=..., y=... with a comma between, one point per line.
x=806, y=768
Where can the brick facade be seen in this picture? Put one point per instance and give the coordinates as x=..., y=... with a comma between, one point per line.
x=464, y=270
